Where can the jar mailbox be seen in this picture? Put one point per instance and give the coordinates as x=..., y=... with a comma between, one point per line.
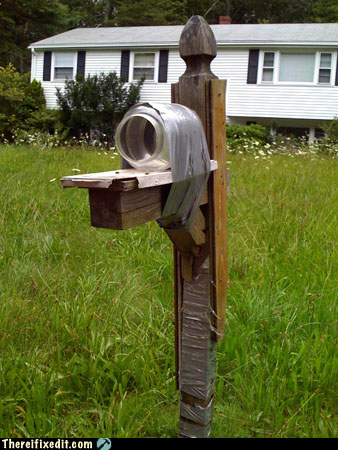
x=158, y=136
x=141, y=141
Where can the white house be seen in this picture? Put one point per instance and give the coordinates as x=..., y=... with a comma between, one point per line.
x=283, y=76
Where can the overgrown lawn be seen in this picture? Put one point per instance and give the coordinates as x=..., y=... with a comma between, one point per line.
x=86, y=315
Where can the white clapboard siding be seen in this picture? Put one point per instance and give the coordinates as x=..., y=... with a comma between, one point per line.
x=98, y=61
x=273, y=101
x=243, y=100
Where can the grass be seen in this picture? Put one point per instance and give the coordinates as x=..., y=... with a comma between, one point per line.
x=86, y=315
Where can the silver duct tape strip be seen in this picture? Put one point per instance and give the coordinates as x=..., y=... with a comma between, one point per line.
x=190, y=164
x=197, y=413
x=198, y=350
x=192, y=430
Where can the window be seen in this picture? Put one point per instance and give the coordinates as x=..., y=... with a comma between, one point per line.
x=144, y=66
x=297, y=67
x=268, y=66
x=325, y=68
x=63, y=65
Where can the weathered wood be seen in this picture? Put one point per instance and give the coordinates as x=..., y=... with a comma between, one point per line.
x=197, y=91
x=123, y=210
x=122, y=180
x=218, y=202
x=188, y=242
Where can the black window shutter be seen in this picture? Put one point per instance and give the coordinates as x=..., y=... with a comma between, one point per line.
x=125, y=56
x=253, y=66
x=81, y=63
x=336, y=83
x=47, y=66
x=163, y=67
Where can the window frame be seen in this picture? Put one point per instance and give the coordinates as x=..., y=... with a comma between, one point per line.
x=62, y=80
x=156, y=65
x=276, y=68
x=333, y=60
x=273, y=67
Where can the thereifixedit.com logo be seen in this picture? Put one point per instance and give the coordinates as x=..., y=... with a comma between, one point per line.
x=59, y=444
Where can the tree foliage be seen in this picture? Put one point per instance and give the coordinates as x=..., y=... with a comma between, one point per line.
x=93, y=106
x=146, y=12
x=19, y=99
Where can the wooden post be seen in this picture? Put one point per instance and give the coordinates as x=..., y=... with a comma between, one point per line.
x=200, y=301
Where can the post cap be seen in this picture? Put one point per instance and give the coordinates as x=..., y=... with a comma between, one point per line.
x=197, y=38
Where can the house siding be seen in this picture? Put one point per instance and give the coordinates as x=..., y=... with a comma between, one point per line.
x=243, y=99
x=273, y=101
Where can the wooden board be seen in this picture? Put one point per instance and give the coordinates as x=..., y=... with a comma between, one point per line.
x=218, y=204
x=122, y=180
x=120, y=210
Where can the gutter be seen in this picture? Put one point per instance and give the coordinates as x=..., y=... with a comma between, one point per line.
x=246, y=44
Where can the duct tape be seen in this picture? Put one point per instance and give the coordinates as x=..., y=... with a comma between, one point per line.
x=193, y=430
x=198, y=349
x=196, y=413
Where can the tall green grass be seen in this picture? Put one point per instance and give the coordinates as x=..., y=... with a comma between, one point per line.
x=86, y=315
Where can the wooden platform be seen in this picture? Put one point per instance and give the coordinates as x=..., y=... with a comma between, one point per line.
x=121, y=199
x=122, y=180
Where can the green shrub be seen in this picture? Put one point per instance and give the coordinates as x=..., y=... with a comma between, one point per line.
x=93, y=106
x=44, y=120
x=331, y=129
x=246, y=137
x=19, y=99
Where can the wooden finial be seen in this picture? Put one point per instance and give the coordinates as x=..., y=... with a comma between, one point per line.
x=197, y=44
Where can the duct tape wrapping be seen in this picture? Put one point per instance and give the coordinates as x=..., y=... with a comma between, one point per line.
x=193, y=430
x=168, y=135
x=196, y=413
x=198, y=349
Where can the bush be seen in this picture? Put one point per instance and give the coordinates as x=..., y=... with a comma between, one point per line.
x=93, y=106
x=246, y=137
x=19, y=99
x=44, y=120
x=331, y=129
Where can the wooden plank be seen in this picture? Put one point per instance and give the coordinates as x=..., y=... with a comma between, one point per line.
x=123, y=179
x=188, y=241
x=122, y=210
x=119, y=210
x=218, y=191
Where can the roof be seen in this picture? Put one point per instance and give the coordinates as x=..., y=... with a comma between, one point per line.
x=235, y=34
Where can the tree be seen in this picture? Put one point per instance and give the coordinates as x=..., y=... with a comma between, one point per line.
x=90, y=13
x=326, y=11
x=25, y=21
x=265, y=11
x=145, y=12
x=19, y=99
